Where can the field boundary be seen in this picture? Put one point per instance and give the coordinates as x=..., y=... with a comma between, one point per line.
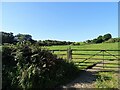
x=103, y=53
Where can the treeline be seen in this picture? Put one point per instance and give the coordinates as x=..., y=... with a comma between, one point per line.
x=100, y=39
x=53, y=42
x=22, y=38
x=10, y=38
x=26, y=38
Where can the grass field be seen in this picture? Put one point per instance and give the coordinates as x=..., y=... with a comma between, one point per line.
x=79, y=56
x=86, y=46
x=102, y=46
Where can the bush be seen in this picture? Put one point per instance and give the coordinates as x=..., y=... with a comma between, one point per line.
x=30, y=67
x=8, y=68
x=112, y=40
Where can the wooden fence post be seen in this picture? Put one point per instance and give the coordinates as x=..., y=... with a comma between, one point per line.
x=69, y=54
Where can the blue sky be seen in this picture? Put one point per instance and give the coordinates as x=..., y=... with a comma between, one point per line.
x=70, y=21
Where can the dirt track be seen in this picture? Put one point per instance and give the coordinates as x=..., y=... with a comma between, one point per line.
x=87, y=77
x=85, y=80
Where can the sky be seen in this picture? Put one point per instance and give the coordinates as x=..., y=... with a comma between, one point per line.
x=65, y=21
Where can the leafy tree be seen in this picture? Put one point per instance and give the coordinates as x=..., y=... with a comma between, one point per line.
x=23, y=37
x=7, y=37
x=106, y=37
x=99, y=39
x=52, y=42
x=94, y=41
x=88, y=41
x=76, y=43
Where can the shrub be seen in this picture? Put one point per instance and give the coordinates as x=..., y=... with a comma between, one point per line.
x=8, y=68
x=33, y=67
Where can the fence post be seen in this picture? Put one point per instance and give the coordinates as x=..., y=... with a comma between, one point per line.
x=69, y=54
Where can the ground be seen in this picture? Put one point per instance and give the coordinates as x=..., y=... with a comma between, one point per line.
x=86, y=79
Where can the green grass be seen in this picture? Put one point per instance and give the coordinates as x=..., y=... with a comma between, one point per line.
x=107, y=80
x=76, y=58
x=86, y=46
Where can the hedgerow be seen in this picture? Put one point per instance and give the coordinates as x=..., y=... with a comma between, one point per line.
x=30, y=67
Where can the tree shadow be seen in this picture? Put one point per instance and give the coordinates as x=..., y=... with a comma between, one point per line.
x=85, y=77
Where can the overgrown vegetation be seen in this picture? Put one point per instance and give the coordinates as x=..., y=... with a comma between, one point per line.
x=107, y=80
x=30, y=67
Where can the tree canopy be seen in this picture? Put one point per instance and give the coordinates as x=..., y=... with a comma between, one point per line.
x=7, y=37
x=100, y=39
x=26, y=38
x=107, y=37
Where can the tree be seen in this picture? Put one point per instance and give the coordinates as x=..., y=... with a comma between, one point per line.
x=106, y=37
x=88, y=41
x=7, y=37
x=99, y=39
x=94, y=41
x=23, y=37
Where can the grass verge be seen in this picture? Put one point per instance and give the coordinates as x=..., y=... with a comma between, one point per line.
x=107, y=80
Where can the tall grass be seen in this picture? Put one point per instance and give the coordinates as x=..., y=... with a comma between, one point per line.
x=107, y=80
